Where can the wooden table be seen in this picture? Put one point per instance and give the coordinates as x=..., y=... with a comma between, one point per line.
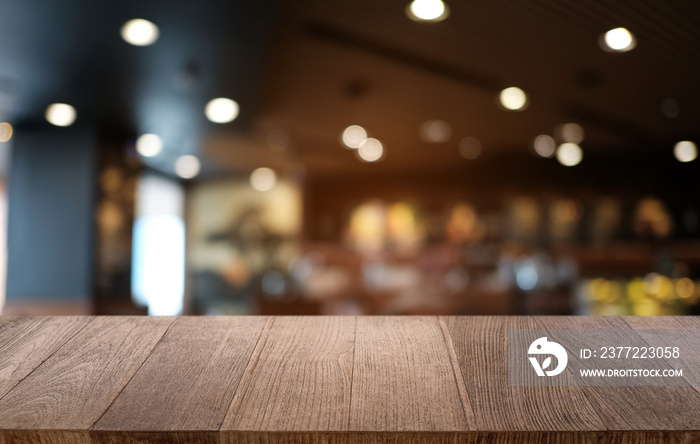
x=312, y=379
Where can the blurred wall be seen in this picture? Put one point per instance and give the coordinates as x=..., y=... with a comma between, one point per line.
x=50, y=223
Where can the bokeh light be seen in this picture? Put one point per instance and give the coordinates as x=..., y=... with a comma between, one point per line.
x=544, y=145
x=149, y=145
x=427, y=10
x=221, y=110
x=569, y=132
x=140, y=32
x=354, y=136
x=5, y=132
x=652, y=218
x=685, y=288
x=513, y=99
x=61, y=114
x=371, y=150
x=685, y=151
x=263, y=179
x=435, y=131
x=470, y=148
x=618, y=40
x=187, y=166
x=569, y=154
x=526, y=276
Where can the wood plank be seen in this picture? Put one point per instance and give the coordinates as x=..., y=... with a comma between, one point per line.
x=189, y=380
x=27, y=342
x=299, y=377
x=686, y=337
x=403, y=378
x=552, y=437
x=318, y=380
x=634, y=408
x=44, y=437
x=480, y=344
x=689, y=323
x=74, y=387
x=468, y=437
x=140, y=437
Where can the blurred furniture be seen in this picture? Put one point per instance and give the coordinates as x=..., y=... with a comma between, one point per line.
x=313, y=379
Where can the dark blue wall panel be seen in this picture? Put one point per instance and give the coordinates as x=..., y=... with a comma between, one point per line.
x=50, y=218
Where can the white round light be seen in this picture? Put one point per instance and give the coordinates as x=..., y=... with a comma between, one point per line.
x=569, y=154
x=263, y=179
x=470, y=148
x=221, y=110
x=354, y=136
x=140, y=32
x=187, y=167
x=685, y=151
x=428, y=10
x=618, y=40
x=61, y=114
x=513, y=98
x=149, y=145
x=5, y=132
x=544, y=145
x=371, y=150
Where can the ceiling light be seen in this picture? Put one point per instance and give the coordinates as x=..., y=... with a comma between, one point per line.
x=263, y=179
x=371, y=150
x=470, y=148
x=5, y=132
x=544, y=145
x=140, y=32
x=513, y=98
x=685, y=151
x=569, y=154
x=435, y=131
x=187, y=167
x=354, y=136
x=618, y=40
x=427, y=10
x=61, y=114
x=221, y=110
x=149, y=145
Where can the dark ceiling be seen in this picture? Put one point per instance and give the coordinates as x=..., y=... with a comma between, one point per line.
x=304, y=70
x=71, y=51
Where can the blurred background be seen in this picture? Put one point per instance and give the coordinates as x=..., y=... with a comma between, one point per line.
x=349, y=157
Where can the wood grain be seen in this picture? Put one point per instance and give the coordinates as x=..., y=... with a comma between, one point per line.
x=403, y=378
x=74, y=387
x=634, y=408
x=141, y=437
x=27, y=342
x=299, y=377
x=45, y=437
x=346, y=380
x=686, y=336
x=189, y=380
x=481, y=349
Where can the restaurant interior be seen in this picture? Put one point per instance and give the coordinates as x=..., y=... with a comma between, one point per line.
x=415, y=157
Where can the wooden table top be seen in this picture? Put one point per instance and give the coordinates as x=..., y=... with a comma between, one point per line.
x=312, y=379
